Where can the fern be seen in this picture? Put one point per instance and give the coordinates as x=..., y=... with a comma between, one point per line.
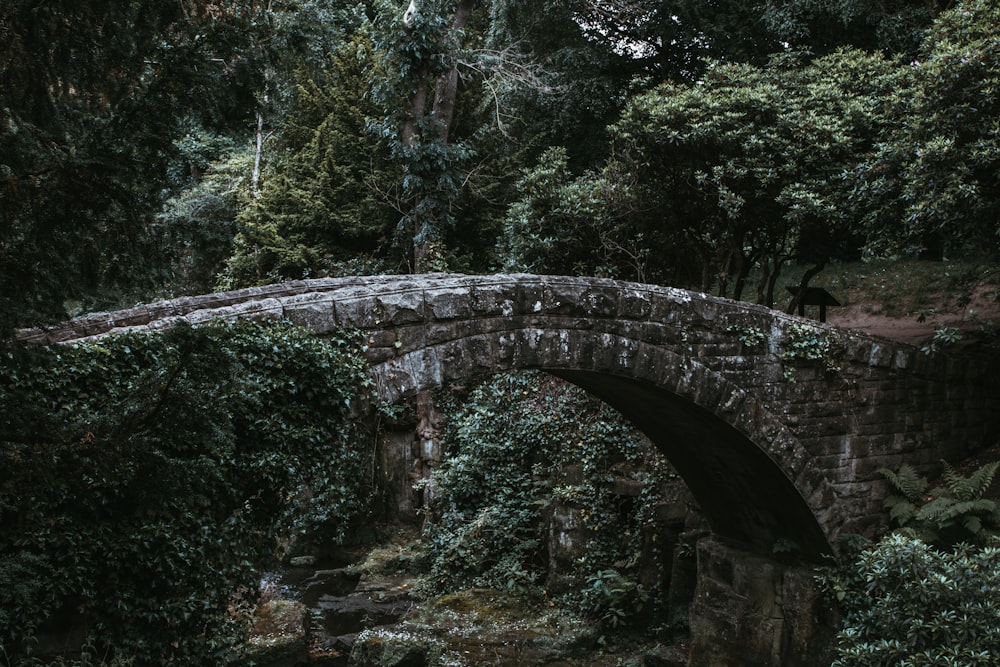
x=948, y=514
x=972, y=487
x=973, y=524
x=906, y=481
x=900, y=509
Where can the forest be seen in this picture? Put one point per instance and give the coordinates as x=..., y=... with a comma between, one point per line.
x=175, y=147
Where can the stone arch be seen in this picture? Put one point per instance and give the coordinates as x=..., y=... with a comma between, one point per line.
x=747, y=470
x=808, y=448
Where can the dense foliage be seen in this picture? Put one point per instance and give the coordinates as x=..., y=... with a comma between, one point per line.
x=802, y=157
x=521, y=446
x=87, y=127
x=893, y=26
x=929, y=593
x=907, y=603
x=933, y=178
x=744, y=171
x=147, y=478
x=687, y=142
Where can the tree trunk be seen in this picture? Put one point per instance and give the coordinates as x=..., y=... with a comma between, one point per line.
x=443, y=113
x=446, y=90
x=255, y=175
x=800, y=293
x=415, y=108
x=747, y=263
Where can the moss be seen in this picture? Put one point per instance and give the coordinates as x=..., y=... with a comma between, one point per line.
x=488, y=623
x=391, y=647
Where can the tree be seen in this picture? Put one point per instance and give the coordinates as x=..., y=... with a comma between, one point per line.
x=196, y=224
x=320, y=211
x=587, y=225
x=892, y=26
x=421, y=49
x=674, y=39
x=86, y=133
x=744, y=168
x=554, y=74
x=933, y=175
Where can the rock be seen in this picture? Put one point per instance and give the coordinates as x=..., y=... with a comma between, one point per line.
x=337, y=582
x=392, y=649
x=279, y=634
x=624, y=486
x=354, y=613
x=752, y=611
x=664, y=656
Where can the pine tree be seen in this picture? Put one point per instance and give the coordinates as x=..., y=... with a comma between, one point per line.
x=321, y=211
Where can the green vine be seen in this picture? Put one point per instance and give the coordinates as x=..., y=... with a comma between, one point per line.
x=808, y=344
x=749, y=336
x=147, y=479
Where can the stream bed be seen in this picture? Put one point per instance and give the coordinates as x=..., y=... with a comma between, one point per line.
x=347, y=617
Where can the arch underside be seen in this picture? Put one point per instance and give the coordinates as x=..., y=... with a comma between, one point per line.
x=749, y=475
x=744, y=494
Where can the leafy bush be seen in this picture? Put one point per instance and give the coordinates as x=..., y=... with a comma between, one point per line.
x=615, y=599
x=508, y=447
x=908, y=604
x=146, y=478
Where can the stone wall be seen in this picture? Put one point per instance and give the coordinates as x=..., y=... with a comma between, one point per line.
x=753, y=611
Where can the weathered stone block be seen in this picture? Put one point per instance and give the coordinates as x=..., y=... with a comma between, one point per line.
x=314, y=311
x=745, y=612
x=399, y=308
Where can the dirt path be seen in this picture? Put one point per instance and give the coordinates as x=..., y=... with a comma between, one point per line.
x=917, y=327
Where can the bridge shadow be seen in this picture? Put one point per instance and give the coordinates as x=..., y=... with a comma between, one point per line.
x=743, y=493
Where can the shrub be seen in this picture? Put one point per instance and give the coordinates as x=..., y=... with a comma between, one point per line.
x=908, y=604
x=145, y=479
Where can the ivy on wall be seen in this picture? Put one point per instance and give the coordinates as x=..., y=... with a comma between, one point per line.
x=147, y=479
x=511, y=446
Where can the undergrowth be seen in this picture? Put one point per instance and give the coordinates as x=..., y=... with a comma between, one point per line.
x=145, y=481
x=520, y=448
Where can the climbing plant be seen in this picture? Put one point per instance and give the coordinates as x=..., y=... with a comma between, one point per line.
x=518, y=446
x=810, y=345
x=146, y=480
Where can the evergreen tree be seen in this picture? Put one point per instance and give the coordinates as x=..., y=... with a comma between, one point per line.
x=320, y=211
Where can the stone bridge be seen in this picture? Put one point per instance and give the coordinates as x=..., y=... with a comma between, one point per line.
x=777, y=424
